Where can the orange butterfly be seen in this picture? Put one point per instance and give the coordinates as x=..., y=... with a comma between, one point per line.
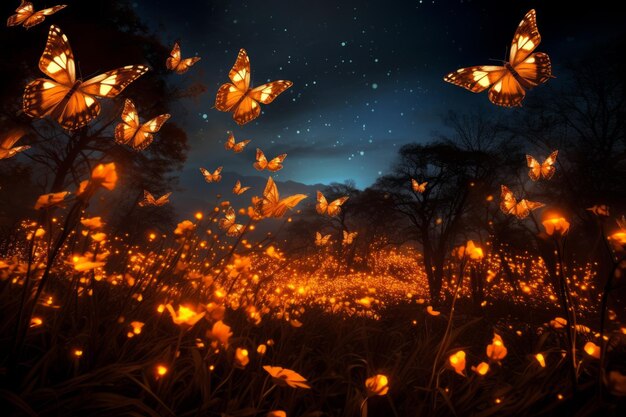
x=131, y=132
x=271, y=205
x=229, y=224
x=7, y=150
x=235, y=146
x=214, y=177
x=176, y=63
x=348, y=237
x=26, y=15
x=417, y=187
x=149, y=200
x=524, y=70
x=273, y=165
x=510, y=205
x=331, y=209
x=70, y=101
x=545, y=170
x=238, y=189
x=242, y=100
x=321, y=240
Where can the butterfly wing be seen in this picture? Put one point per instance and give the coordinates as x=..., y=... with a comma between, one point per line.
x=230, y=142
x=173, y=60
x=6, y=145
x=476, y=79
x=334, y=208
x=113, y=82
x=164, y=199
x=322, y=203
x=276, y=164
x=534, y=166
x=229, y=94
x=238, y=147
x=126, y=130
x=40, y=15
x=208, y=177
x=507, y=200
x=525, y=40
x=148, y=199
x=267, y=93
x=23, y=12
x=507, y=92
x=238, y=189
x=524, y=207
x=145, y=135
x=547, y=168
x=261, y=160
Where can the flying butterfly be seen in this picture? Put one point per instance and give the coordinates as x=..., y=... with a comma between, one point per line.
x=235, y=146
x=321, y=240
x=331, y=209
x=237, y=97
x=214, y=177
x=176, y=63
x=509, y=83
x=545, y=169
x=149, y=200
x=271, y=205
x=417, y=187
x=520, y=209
x=134, y=134
x=228, y=223
x=69, y=101
x=238, y=189
x=348, y=237
x=7, y=150
x=272, y=165
x=26, y=15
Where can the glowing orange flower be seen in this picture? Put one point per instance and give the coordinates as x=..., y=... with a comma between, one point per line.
x=592, y=350
x=184, y=227
x=541, y=360
x=558, y=323
x=277, y=413
x=50, y=200
x=161, y=370
x=457, y=361
x=556, y=225
x=105, y=175
x=286, y=377
x=432, y=312
x=85, y=263
x=242, y=357
x=618, y=239
x=261, y=349
x=377, y=385
x=92, y=223
x=184, y=315
x=481, y=369
x=474, y=252
x=496, y=351
x=220, y=333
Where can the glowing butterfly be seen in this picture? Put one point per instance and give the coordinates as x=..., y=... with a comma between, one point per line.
x=176, y=63
x=273, y=165
x=520, y=209
x=134, y=134
x=348, y=237
x=238, y=189
x=242, y=100
x=601, y=210
x=331, y=209
x=69, y=101
x=417, y=187
x=271, y=205
x=26, y=15
x=235, y=146
x=7, y=150
x=509, y=83
x=214, y=177
x=229, y=224
x=149, y=200
x=545, y=169
x=321, y=240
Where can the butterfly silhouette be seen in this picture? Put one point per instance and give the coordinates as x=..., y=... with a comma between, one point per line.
x=214, y=177
x=331, y=209
x=348, y=237
x=131, y=132
x=235, y=146
x=520, y=209
x=524, y=70
x=545, y=169
x=237, y=97
x=271, y=204
x=7, y=150
x=149, y=200
x=69, y=101
x=175, y=62
x=321, y=240
x=229, y=224
x=238, y=189
x=417, y=187
x=26, y=15
x=273, y=165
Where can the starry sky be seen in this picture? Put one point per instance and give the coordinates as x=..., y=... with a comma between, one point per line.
x=367, y=75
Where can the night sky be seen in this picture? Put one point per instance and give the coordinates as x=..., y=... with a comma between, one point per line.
x=367, y=75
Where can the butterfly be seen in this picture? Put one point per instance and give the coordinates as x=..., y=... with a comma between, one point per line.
x=520, y=209
x=242, y=100
x=70, y=101
x=214, y=177
x=331, y=209
x=273, y=165
x=545, y=170
x=348, y=237
x=131, y=132
x=228, y=223
x=417, y=187
x=176, y=63
x=238, y=189
x=26, y=15
x=321, y=240
x=7, y=150
x=149, y=200
x=235, y=146
x=271, y=205
x=601, y=210
x=524, y=70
